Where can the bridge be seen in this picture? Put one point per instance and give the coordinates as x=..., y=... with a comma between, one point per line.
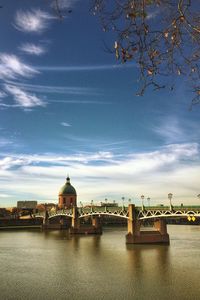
x=135, y=217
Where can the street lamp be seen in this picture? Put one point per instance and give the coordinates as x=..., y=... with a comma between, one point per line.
x=170, y=200
x=148, y=199
x=81, y=205
x=92, y=202
x=142, y=198
x=106, y=200
x=123, y=203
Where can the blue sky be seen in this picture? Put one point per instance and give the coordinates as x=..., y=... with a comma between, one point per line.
x=68, y=107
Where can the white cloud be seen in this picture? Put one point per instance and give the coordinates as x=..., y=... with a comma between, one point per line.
x=2, y=94
x=4, y=195
x=34, y=20
x=32, y=49
x=139, y=163
x=65, y=124
x=22, y=98
x=103, y=174
x=8, y=162
x=11, y=67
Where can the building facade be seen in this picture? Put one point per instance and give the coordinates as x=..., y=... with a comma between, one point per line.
x=26, y=204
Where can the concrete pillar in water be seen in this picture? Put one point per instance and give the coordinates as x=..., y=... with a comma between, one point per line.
x=133, y=225
x=75, y=219
x=161, y=226
x=136, y=236
x=96, y=222
x=45, y=219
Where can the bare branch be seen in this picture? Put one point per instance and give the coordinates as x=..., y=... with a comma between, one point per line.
x=161, y=36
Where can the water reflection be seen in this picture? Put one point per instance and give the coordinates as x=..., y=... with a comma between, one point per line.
x=150, y=261
x=56, y=265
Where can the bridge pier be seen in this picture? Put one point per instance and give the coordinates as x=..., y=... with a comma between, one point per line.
x=76, y=228
x=45, y=223
x=136, y=236
x=96, y=224
x=75, y=225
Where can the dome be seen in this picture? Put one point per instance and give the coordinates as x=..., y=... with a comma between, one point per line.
x=67, y=188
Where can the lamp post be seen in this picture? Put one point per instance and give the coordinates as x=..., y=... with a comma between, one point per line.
x=123, y=203
x=106, y=200
x=170, y=200
x=142, y=198
x=148, y=200
x=81, y=205
x=92, y=202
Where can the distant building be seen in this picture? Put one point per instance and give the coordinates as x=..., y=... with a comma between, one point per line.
x=67, y=196
x=26, y=204
x=43, y=206
x=4, y=212
x=109, y=204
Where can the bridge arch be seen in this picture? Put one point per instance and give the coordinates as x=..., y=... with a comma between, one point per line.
x=60, y=215
x=102, y=214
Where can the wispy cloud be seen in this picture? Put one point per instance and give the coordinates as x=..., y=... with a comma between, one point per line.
x=2, y=94
x=34, y=20
x=134, y=163
x=174, y=129
x=32, y=49
x=96, y=143
x=71, y=90
x=84, y=68
x=63, y=7
x=94, y=102
x=64, y=4
x=170, y=131
x=65, y=124
x=4, y=105
x=11, y=67
x=19, y=160
x=22, y=98
x=5, y=142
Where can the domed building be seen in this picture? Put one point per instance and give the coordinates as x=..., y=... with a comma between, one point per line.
x=67, y=195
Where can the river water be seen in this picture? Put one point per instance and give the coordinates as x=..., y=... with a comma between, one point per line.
x=54, y=265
